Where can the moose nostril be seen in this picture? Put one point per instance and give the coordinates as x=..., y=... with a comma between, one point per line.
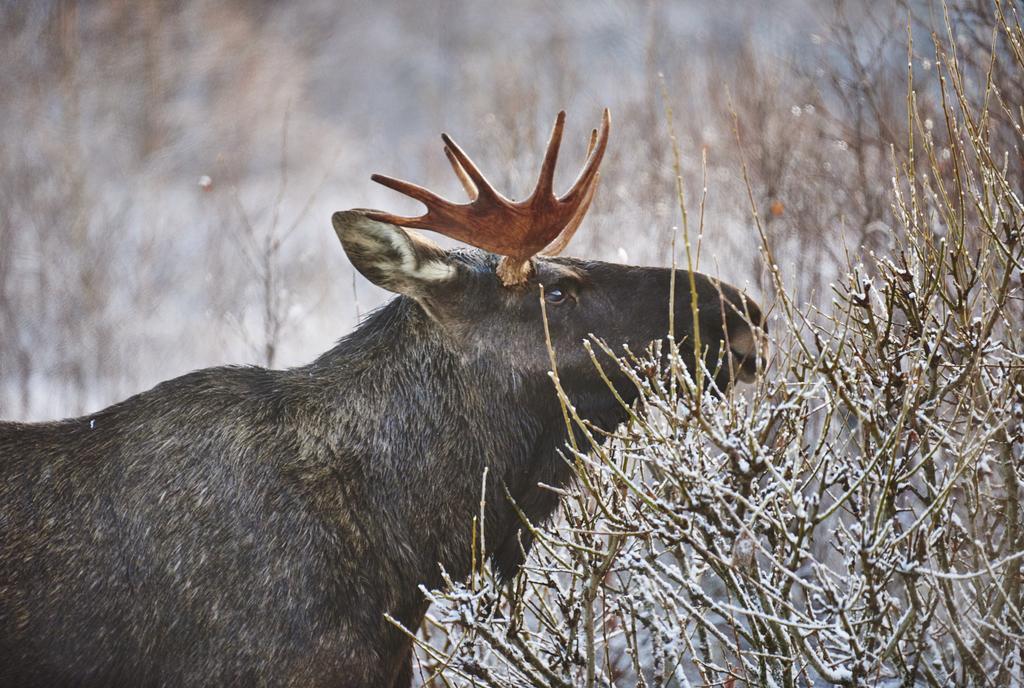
x=746, y=332
x=748, y=352
x=742, y=343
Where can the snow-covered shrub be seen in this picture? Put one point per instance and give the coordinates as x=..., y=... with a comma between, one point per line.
x=855, y=517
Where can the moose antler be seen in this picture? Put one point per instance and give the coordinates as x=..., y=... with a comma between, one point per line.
x=543, y=223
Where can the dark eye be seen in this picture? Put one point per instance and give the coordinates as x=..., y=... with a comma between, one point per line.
x=555, y=295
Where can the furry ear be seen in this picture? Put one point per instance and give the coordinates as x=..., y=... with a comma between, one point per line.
x=391, y=257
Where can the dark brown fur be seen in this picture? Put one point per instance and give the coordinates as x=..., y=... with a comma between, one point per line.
x=243, y=526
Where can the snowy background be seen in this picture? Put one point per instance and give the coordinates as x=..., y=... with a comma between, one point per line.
x=168, y=170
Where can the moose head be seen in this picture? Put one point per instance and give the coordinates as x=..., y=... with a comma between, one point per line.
x=488, y=301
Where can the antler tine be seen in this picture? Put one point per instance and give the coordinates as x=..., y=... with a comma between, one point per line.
x=589, y=173
x=464, y=179
x=565, y=236
x=399, y=220
x=483, y=187
x=414, y=191
x=546, y=180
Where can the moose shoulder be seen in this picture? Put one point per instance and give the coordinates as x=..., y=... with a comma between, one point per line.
x=253, y=527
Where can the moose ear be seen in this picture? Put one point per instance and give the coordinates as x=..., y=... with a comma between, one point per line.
x=389, y=256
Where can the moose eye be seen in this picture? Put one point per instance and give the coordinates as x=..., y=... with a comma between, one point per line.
x=555, y=295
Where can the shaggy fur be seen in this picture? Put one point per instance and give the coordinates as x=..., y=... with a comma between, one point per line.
x=243, y=526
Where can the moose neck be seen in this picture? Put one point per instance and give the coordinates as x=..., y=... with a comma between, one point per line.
x=432, y=432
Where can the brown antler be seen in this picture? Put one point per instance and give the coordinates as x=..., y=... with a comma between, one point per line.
x=516, y=230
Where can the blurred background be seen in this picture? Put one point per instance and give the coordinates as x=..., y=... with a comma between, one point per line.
x=168, y=169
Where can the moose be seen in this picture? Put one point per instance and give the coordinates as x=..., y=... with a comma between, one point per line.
x=245, y=526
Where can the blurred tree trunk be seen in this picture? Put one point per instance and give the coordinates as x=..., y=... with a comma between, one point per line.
x=151, y=130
